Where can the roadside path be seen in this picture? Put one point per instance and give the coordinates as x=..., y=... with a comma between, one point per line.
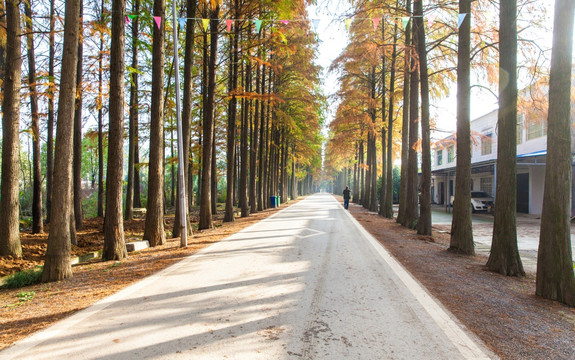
x=305, y=283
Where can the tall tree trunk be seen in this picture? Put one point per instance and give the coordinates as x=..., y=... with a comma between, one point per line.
x=555, y=278
x=9, y=202
x=101, y=122
x=383, y=129
x=411, y=213
x=57, y=265
x=37, y=224
x=355, y=188
x=424, y=222
x=243, y=195
x=77, y=167
x=232, y=111
x=255, y=121
x=205, y=198
x=260, y=180
x=504, y=256
x=461, y=231
x=405, y=123
x=187, y=112
x=51, y=112
x=133, y=117
x=214, y=177
x=154, y=229
x=114, y=245
x=388, y=202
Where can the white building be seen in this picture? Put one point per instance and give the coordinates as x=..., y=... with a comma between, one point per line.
x=531, y=155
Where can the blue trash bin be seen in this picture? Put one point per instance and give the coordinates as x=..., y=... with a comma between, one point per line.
x=273, y=201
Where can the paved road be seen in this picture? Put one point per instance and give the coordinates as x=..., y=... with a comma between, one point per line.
x=306, y=283
x=528, y=227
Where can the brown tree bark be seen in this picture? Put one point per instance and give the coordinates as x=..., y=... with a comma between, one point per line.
x=555, y=278
x=114, y=245
x=388, y=202
x=205, y=196
x=9, y=202
x=37, y=221
x=51, y=112
x=424, y=222
x=100, y=206
x=133, y=116
x=411, y=209
x=232, y=111
x=57, y=265
x=187, y=111
x=461, y=232
x=77, y=166
x=405, y=123
x=504, y=256
x=154, y=229
x=244, y=153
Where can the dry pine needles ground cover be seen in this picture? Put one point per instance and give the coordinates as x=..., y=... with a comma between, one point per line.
x=503, y=311
x=30, y=309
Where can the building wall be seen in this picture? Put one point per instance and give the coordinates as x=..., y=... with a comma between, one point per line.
x=536, y=186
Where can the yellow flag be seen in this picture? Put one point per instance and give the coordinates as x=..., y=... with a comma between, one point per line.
x=206, y=23
x=347, y=23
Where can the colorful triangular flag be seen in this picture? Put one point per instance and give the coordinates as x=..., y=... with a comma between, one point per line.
x=132, y=17
x=206, y=23
x=158, y=20
x=127, y=19
x=182, y=22
x=258, y=24
x=461, y=18
x=315, y=23
x=229, y=23
x=285, y=22
x=375, y=22
x=405, y=21
x=347, y=23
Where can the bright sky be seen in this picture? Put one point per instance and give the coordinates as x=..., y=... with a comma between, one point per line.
x=333, y=37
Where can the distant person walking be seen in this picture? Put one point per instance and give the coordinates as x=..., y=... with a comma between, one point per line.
x=346, y=197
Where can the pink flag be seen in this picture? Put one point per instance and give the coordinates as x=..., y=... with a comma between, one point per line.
x=127, y=19
x=158, y=20
x=229, y=23
x=375, y=23
x=285, y=22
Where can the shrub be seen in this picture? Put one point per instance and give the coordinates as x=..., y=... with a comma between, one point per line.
x=23, y=278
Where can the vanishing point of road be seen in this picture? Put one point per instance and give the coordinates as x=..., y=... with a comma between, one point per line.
x=306, y=283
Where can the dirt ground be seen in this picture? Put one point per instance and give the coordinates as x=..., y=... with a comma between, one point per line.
x=502, y=311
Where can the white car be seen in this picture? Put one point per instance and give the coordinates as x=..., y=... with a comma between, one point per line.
x=480, y=201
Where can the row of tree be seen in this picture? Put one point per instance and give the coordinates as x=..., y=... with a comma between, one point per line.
x=250, y=99
x=392, y=74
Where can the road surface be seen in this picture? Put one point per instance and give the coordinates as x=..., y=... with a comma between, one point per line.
x=306, y=283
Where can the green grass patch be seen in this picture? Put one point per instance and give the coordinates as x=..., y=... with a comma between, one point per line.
x=23, y=278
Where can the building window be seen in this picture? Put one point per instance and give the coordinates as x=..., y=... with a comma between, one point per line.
x=486, y=142
x=519, y=134
x=450, y=154
x=536, y=129
x=439, y=157
x=486, y=185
